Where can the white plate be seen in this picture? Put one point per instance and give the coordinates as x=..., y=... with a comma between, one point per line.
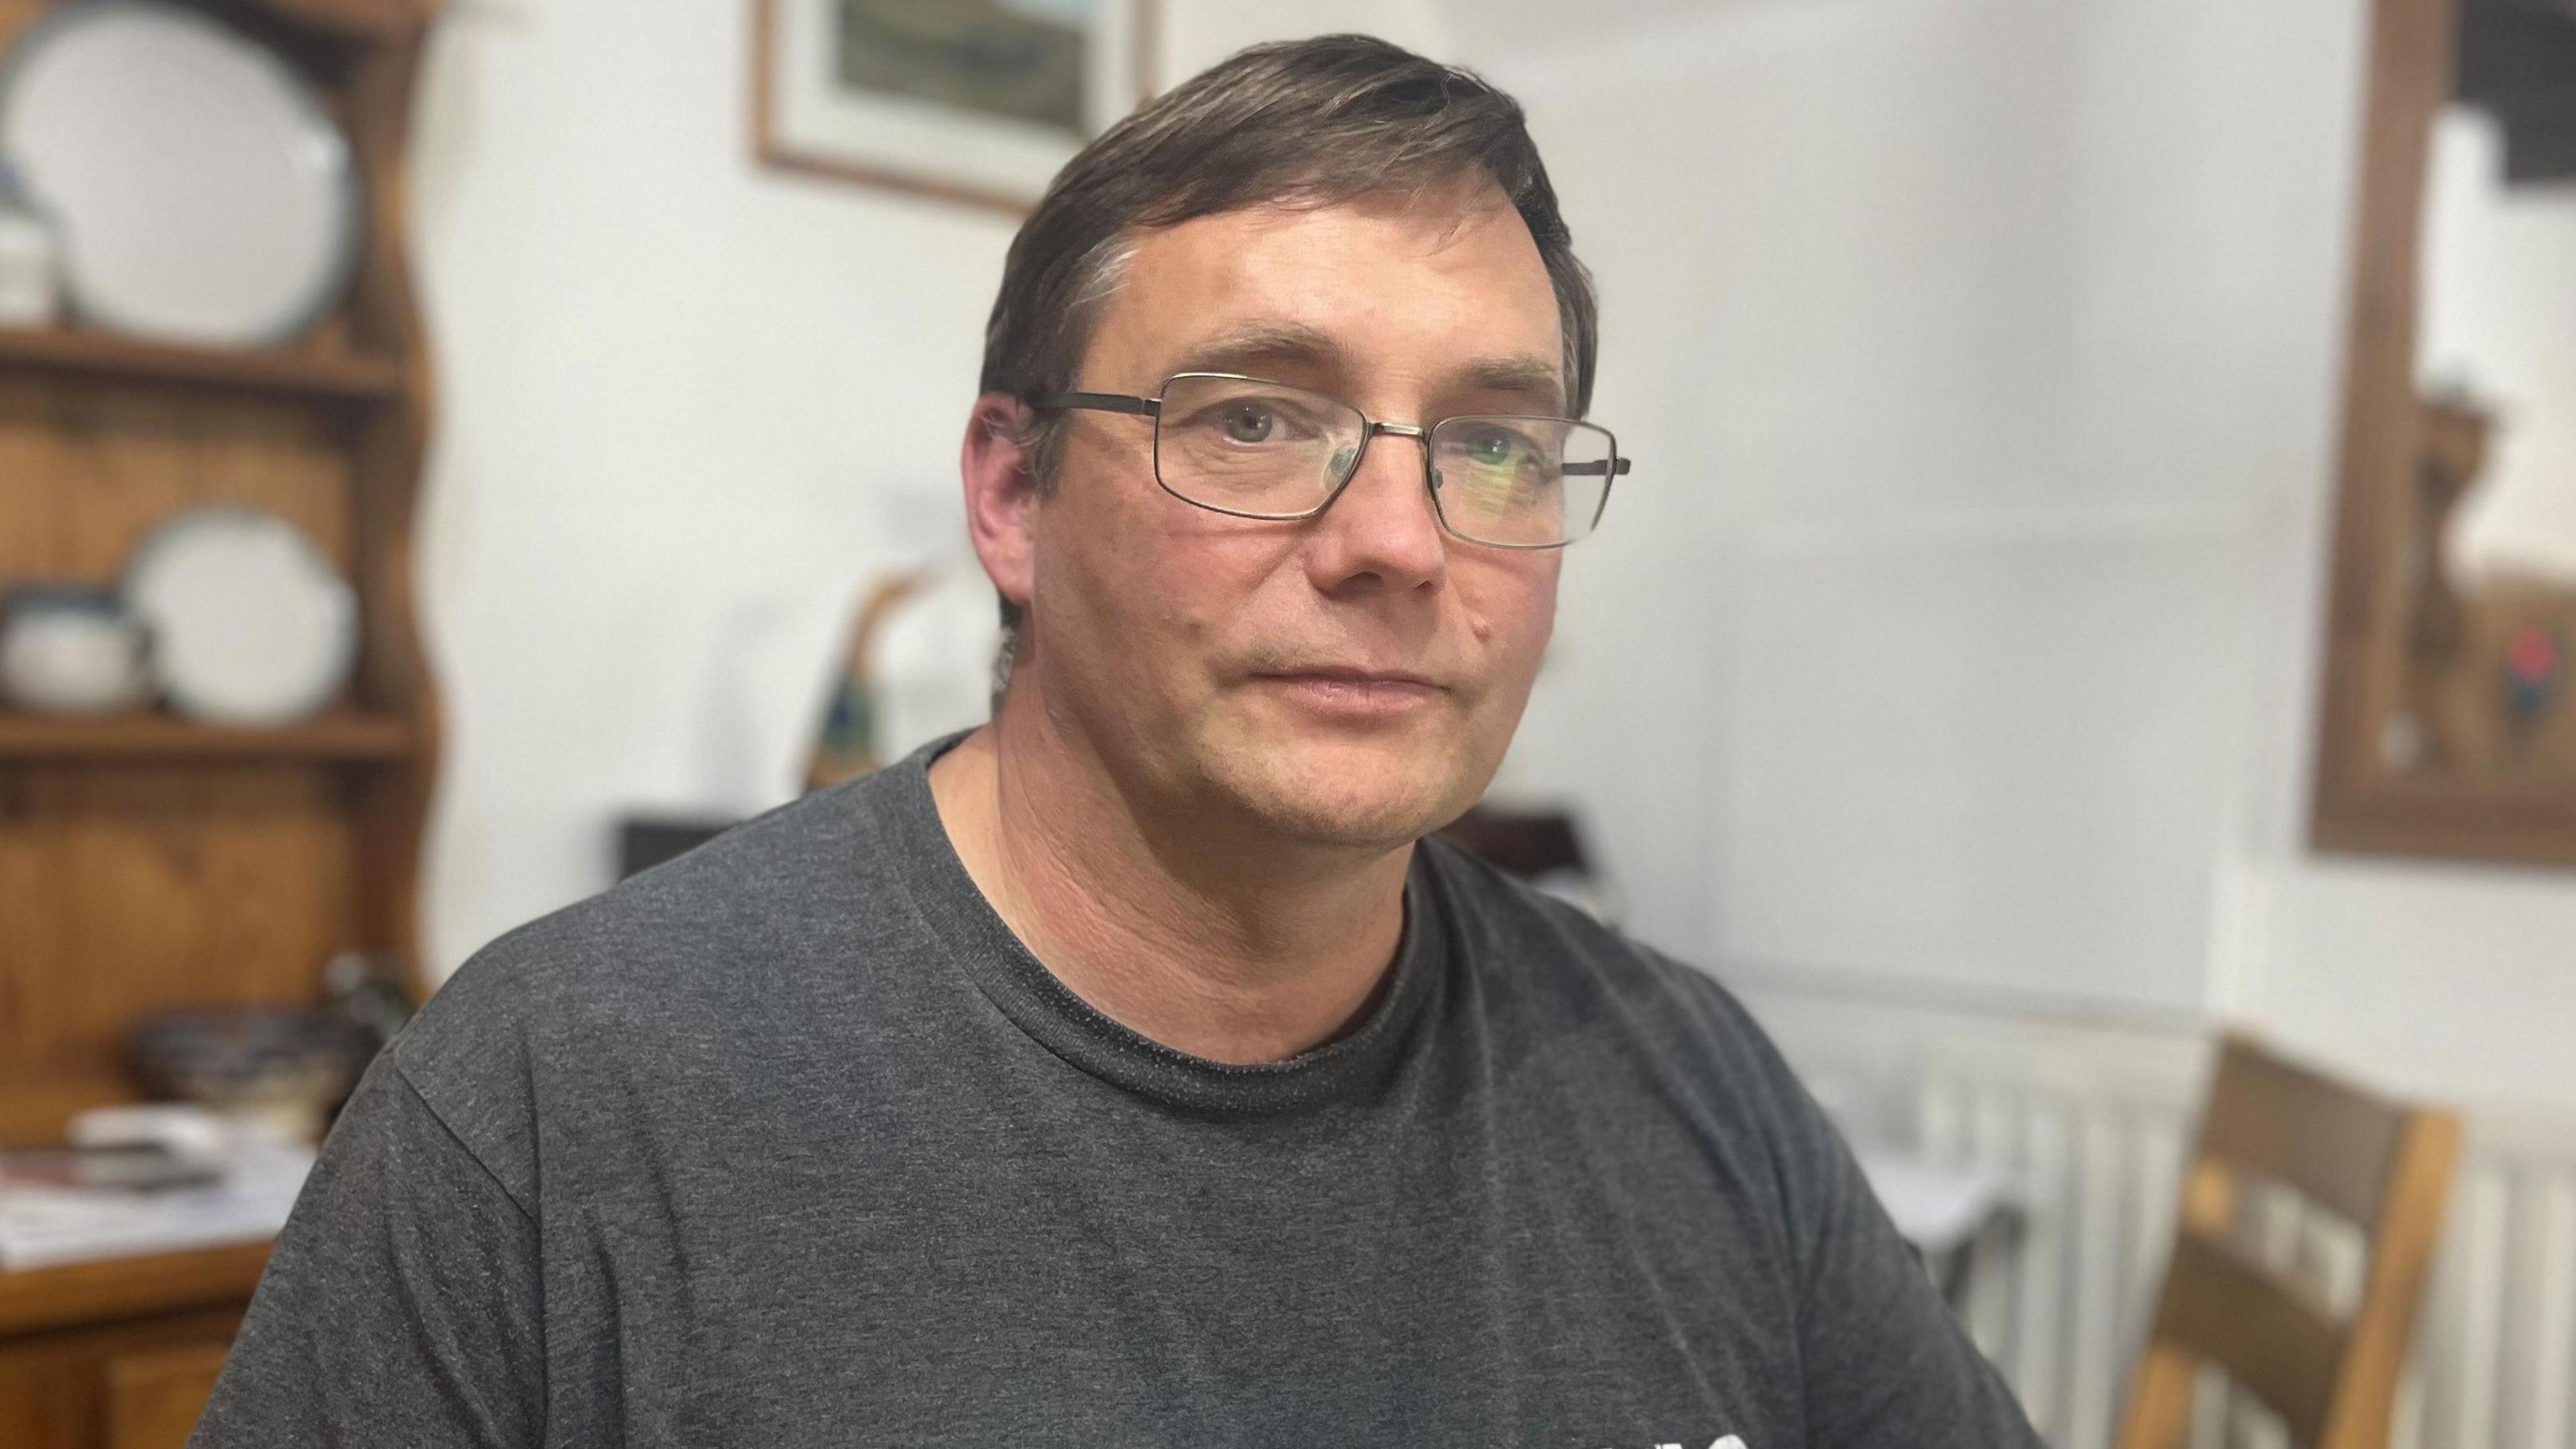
x=204, y=194
x=250, y=623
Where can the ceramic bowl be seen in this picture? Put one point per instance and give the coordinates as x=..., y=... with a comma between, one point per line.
x=66, y=649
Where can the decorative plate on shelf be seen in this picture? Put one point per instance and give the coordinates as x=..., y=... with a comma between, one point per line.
x=204, y=193
x=250, y=623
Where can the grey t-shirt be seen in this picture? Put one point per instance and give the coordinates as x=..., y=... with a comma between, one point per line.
x=791, y=1142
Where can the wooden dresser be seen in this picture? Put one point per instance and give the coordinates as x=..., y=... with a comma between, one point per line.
x=148, y=863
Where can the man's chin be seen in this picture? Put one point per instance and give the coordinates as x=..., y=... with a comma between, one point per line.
x=1363, y=792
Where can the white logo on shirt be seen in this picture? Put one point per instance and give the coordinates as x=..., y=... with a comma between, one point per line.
x=1729, y=1442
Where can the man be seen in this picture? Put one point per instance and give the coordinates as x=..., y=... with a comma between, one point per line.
x=1131, y=1070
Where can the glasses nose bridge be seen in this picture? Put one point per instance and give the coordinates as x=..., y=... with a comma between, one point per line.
x=1370, y=434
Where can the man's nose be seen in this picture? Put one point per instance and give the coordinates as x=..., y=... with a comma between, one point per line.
x=1381, y=528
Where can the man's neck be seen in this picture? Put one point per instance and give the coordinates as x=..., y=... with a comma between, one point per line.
x=1277, y=956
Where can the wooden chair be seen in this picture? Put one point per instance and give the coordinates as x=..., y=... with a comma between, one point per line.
x=2384, y=1167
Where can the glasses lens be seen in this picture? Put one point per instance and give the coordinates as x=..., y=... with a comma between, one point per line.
x=1254, y=448
x=1520, y=482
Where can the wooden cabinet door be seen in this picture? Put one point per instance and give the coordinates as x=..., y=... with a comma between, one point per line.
x=135, y=1384
x=154, y=1399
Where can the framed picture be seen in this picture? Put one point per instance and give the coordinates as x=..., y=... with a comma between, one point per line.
x=976, y=101
x=2447, y=724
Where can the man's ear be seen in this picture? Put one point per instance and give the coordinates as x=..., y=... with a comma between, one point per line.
x=1001, y=494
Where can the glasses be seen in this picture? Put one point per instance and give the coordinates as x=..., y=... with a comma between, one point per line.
x=1255, y=449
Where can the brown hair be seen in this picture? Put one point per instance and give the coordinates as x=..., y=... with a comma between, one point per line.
x=1305, y=122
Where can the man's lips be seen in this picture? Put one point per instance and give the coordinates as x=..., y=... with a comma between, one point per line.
x=1352, y=695
x=1345, y=675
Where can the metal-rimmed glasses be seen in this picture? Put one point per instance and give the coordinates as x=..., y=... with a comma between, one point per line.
x=1257, y=449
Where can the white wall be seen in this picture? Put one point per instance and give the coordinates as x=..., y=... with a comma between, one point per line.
x=689, y=407
x=1976, y=347
x=1957, y=634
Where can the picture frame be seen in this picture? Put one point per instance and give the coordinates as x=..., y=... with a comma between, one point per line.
x=2374, y=792
x=978, y=102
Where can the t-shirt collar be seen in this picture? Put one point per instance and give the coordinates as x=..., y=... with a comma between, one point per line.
x=1021, y=987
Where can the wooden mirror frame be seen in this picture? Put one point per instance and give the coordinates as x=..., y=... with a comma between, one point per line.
x=2359, y=802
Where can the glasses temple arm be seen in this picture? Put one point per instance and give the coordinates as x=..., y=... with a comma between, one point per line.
x=1101, y=402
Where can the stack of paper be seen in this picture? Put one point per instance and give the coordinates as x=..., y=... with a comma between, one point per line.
x=45, y=1227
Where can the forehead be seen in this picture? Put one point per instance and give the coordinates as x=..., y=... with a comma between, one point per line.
x=1434, y=286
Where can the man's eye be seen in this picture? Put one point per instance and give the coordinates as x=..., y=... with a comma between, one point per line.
x=1249, y=423
x=1494, y=449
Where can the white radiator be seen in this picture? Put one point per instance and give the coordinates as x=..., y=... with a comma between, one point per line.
x=2093, y=1123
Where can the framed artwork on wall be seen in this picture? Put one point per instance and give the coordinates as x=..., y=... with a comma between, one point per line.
x=2447, y=726
x=973, y=101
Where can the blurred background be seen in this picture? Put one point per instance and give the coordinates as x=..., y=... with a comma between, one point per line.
x=2098, y=568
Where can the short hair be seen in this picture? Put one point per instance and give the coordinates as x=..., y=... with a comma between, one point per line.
x=1299, y=123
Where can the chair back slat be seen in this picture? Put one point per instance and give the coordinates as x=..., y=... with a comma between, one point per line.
x=2269, y=1118
x=2266, y=1334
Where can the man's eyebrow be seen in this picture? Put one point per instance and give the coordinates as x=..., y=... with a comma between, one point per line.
x=1248, y=348
x=1251, y=345
x=1535, y=378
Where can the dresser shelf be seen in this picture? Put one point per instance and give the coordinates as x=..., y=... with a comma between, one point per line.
x=345, y=378
x=48, y=1298
x=145, y=738
x=150, y=863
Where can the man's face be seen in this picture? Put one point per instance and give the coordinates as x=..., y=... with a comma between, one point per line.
x=1351, y=679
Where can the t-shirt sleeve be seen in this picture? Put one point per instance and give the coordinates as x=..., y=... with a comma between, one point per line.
x=1887, y=1365
x=402, y=1303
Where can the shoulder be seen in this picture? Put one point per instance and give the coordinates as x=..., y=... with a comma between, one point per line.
x=1570, y=985
x=713, y=918
x=1515, y=937
x=778, y=918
